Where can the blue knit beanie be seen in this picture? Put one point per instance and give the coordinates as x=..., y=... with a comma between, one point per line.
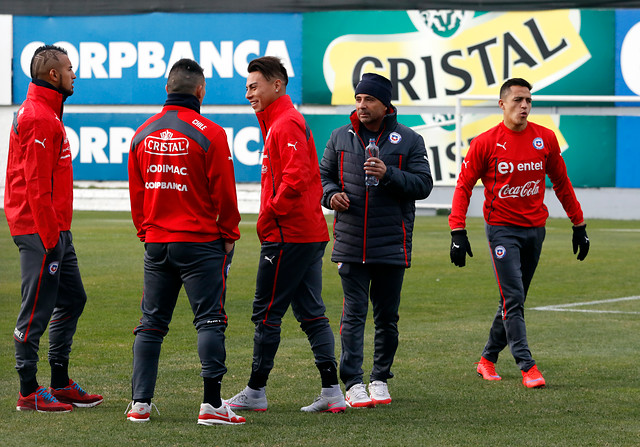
x=375, y=85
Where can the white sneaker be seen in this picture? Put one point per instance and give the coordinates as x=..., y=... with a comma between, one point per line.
x=242, y=401
x=379, y=392
x=357, y=397
x=209, y=415
x=326, y=404
x=140, y=412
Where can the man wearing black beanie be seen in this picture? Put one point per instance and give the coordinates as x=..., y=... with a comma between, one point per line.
x=373, y=228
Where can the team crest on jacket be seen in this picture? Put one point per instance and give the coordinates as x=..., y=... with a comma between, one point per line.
x=500, y=251
x=538, y=143
x=395, y=138
x=53, y=267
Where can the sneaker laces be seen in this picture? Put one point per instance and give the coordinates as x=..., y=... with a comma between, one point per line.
x=151, y=407
x=242, y=398
x=44, y=394
x=78, y=388
x=378, y=387
x=490, y=367
x=359, y=391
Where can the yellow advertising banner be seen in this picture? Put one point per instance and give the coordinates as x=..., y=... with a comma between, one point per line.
x=458, y=54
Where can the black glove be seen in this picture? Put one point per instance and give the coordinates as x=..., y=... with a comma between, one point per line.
x=459, y=247
x=580, y=239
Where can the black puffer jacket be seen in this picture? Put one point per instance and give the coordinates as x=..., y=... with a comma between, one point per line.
x=378, y=226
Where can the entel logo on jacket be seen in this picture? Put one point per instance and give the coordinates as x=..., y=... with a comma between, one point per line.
x=166, y=145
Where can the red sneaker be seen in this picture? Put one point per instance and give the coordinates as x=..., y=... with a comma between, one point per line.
x=40, y=400
x=533, y=378
x=487, y=370
x=76, y=396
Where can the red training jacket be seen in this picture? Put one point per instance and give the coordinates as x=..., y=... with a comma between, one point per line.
x=512, y=167
x=38, y=195
x=181, y=179
x=290, y=209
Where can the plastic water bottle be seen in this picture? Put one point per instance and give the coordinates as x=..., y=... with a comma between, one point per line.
x=372, y=150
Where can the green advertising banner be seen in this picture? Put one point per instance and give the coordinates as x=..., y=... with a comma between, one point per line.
x=433, y=56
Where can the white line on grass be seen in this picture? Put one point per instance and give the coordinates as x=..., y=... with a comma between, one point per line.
x=621, y=230
x=569, y=307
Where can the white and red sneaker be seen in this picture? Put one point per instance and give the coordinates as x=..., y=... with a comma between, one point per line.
x=40, y=400
x=379, y=392
x=245, y=400
x=140, y=411
x=223, y=415
x=326, y=404
x=357, y=397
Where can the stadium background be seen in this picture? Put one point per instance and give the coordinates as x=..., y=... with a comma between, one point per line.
x=122, y=54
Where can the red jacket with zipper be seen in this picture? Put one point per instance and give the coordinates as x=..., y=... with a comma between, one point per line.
x=38, y=195
x=290, y=209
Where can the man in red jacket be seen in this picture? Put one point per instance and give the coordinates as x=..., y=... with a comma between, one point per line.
x=184, y=207
x=38, y=204
x=512, y=160
x=293, y=233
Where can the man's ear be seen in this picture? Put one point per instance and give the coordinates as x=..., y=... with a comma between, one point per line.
x=53, y=75
x=200, y=91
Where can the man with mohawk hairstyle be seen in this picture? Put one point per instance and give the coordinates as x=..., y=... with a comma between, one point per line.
x=38, y=205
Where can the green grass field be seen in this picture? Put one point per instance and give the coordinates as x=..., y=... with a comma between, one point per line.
x=589, y=359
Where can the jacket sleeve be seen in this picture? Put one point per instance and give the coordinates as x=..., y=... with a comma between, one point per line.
x=330, y=172
x=38, y=171
x=294, y=152
x=136, y=191
x=472, y=169
x=222, y=186
x=415, y=182
x=556, y=169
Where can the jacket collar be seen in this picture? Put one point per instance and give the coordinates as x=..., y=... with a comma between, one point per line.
x=183, y=100
x=389, y=121
x=44, y=92
x=274, y=110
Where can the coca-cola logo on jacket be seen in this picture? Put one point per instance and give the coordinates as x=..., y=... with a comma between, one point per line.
x=531, y=188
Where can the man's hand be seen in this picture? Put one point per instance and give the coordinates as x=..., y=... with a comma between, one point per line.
x=339, y=201
x=459, y=247
x=228, y=246
x=580, y=240
x=375, y=167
